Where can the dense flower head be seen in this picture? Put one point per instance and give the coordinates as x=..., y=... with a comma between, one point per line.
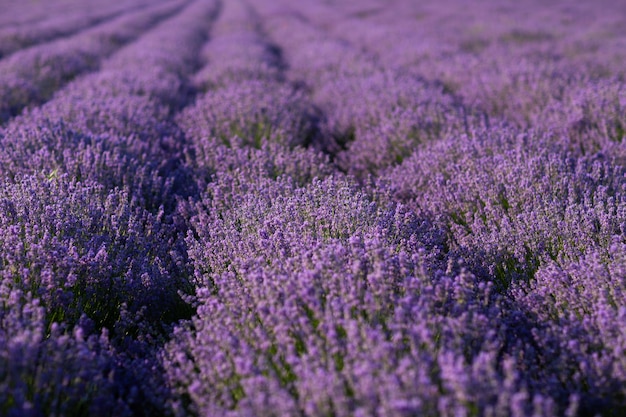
x=516, y=197
x=82, y=250
x=582, y=307
x=34, y=359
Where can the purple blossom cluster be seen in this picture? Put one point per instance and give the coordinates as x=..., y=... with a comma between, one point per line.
x=262, y=208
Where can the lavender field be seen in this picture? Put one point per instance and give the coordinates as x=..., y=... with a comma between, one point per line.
x=316, y=208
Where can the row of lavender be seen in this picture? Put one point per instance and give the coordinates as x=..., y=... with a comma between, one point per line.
x=94, y=267
x=31, y=75
x=56, y=23
x=261, y=209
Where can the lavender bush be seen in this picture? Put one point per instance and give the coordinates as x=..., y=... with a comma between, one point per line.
x=259, y=208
